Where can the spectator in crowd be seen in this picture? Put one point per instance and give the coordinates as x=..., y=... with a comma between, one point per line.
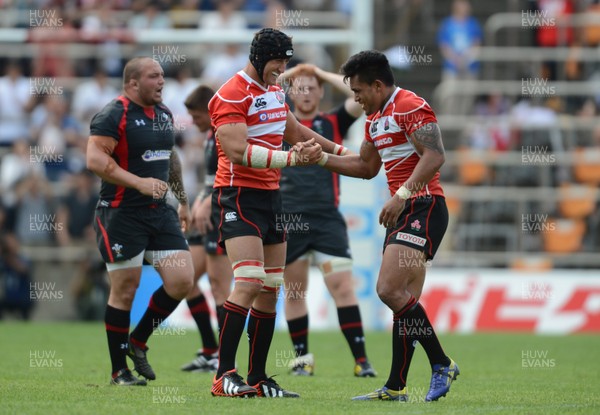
x=15, y=278
x=459, y=37
x=15, y=167
x=75, y=211
x=174, y=91
x=16, y=102
x=411, y=17
x=492, y=133
x=222, y=66
x=54, y=130
x=103, y=27
x=34, y=218
x=51, y=40
x=227, y=17
x=591, y=32
x=150, y=16
x=91, y=96
x=553, y=31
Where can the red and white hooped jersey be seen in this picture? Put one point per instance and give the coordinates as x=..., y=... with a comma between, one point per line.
x=389, y=130
x=264, y=110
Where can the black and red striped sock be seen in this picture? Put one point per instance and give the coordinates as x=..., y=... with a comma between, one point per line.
x=232, y=327
x=403, y=345
x=117, y=332
x=160, y=307
x=351, y=325
x=260, y=333
x=219, y=311
x=429, y=339
x=298, y=328
x=201, y=314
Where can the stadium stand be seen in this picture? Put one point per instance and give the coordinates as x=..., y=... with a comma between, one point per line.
x=530, y=145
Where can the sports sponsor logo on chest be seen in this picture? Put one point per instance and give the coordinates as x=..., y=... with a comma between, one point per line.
x=155, y=155
x=277, y=115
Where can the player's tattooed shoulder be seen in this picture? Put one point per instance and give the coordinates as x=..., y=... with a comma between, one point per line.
x=429, y=136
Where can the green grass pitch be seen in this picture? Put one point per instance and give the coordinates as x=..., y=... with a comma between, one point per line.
x=64, y=369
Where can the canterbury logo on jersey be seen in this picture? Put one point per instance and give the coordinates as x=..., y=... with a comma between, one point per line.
x=154, y=155
x=230, y=216
x=260, y=103
x=271, y=392
x=269, y=101
x=229, y=387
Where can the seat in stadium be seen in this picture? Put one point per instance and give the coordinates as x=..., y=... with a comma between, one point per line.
x=454, y=205
x=586, y=168
x=532, y=263
x=471, y=169
x=576, y=201
x=563, y=235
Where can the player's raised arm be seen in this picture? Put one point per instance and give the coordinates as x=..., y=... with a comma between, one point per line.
x=232, y=137
x=334, y=79
x=337, y=81
x=99, y=161
x=297, y=133
x=365, y=165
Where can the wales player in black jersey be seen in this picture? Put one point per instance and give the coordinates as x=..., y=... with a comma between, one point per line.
x=131, y=149
x=315, y=226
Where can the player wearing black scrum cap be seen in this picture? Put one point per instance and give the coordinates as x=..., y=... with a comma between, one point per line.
x=251, y=119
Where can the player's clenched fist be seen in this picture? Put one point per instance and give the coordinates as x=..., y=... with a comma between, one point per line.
x=149, y=186
x=307, y=152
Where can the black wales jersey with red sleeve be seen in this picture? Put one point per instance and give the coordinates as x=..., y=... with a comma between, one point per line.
x=145, y=139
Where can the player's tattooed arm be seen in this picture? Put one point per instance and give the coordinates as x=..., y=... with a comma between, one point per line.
x=175, y=178
x=427, y=140
x=428, y=136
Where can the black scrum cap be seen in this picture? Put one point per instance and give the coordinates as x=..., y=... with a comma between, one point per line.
x=269, y=44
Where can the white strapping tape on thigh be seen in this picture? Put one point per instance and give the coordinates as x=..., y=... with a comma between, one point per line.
x=249, y=270
x=274, y=278
x=329, y=264
x=134, y=262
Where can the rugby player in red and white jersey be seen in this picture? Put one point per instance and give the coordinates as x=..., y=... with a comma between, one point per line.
x=251, y=119
x=401, y=133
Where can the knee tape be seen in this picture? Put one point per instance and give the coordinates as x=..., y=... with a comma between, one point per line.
x=249, y=271
x=136, y=261
x=335, y=265
x=274, y=278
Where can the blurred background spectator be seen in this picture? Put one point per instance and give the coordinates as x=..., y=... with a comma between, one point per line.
x=16, y=101
x=459, y=37
x=15, y=278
